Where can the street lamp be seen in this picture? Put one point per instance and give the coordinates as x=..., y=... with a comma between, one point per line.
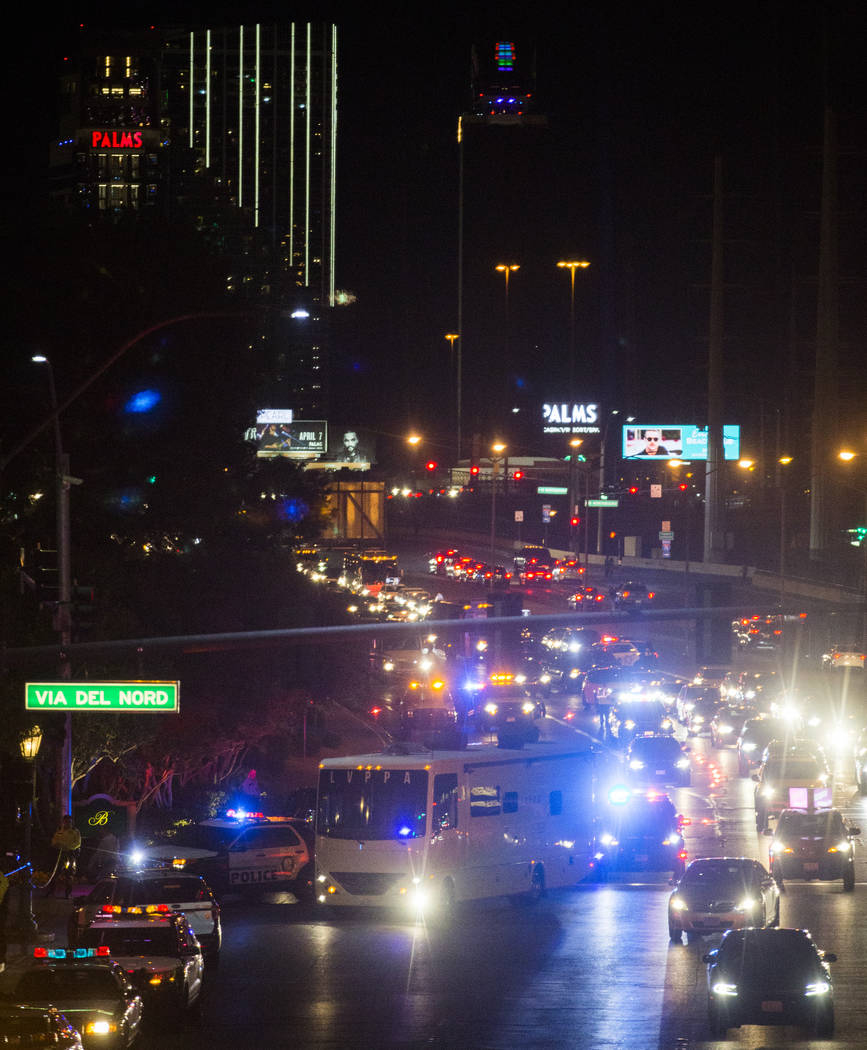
x=497, y=449
x=452, y=338
x=29, y=745
x=572, y=266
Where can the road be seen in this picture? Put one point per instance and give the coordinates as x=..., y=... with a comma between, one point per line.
x=588, y=967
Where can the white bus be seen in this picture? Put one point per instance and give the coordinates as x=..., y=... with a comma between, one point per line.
x=424, y=830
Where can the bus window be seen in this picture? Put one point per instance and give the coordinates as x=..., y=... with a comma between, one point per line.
x=445, y=814
x=372, y=805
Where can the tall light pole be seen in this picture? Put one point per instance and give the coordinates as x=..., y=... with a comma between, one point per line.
x=574, y=444
x=64, y=578
x=506, y=269
x=497, y=450
x=572, y=266
x=452, y=338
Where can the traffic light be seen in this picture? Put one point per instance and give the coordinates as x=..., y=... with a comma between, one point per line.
x=633, y=490
x=683, y=486
x=518, y=475
x=431, y=465
x=46, y=575
x=575, y=522
x=83, y=608
x=474, y=471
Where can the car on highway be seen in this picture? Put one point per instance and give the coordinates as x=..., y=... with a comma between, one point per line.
x=633, y=595
x=512, y=716
x=657, y=759
x=790, y=780
x=640, y=831
x=727, y=722
x=769, y=977
x=588, y=599
x=599, y=683
x=439, y=561
x=689, y=695
x=26, y=1026
x=568, y=569
x=703, y=710
x=539, y=573
x=159, y=952
x=715, y=894
x=530, y=555
x=712, y=676
x=166, y=889
x=618, y=651
x=814, y=846
x=634, y=718
x=89, y=988
x=755, y=735
x=240, y=851
x=840, y=657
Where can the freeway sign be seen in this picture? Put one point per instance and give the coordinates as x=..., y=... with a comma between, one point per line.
x=103, y=696
x=602, y=502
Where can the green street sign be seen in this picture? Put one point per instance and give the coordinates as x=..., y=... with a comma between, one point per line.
x=150, y=697
x=552, y=490
x=602, y=502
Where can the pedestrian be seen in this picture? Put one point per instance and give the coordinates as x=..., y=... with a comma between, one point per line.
x=603, y=706
x=67, y=840
x=609, y=566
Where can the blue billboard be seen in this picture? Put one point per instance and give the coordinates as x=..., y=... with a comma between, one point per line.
x=680, y=441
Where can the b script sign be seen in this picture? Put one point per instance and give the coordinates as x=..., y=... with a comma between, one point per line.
x=103, y=696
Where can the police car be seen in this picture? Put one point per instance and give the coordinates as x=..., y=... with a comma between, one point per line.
x=242, y=851
x=89, y=988
x=159, y=952
x=171, y=891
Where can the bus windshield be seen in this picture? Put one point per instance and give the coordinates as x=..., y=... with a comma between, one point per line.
x=375, y=804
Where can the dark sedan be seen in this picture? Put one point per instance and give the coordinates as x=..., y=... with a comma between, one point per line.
x=658, y=760
x=769, y=977
x=813, y=846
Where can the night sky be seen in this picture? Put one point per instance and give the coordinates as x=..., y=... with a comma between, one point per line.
x=639, y=101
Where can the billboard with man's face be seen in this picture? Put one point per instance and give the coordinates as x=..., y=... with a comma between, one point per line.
x=348, y=448
x=679, y=441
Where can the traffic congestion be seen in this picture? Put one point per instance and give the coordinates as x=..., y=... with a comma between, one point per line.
x=552, y=764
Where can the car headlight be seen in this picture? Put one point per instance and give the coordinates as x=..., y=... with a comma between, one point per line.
x=544, y=678
x=779, y=847
x=722, y=728
x=748, y=745
x=528, y=707
x=629, y=724
x=817, y=988
x=636, y=763
x=490, y=709
x=666, y=724
x=682, y=763
x=841, y=847
x=724, y=988
x=767, y=791
x=678, y=904
x=100, y=1028
x=747, y=904
x=388, y=665
x=607, y=839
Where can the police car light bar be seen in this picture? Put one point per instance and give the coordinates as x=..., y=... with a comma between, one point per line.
x=135, y=909
x=102, y=952
x=243, y=814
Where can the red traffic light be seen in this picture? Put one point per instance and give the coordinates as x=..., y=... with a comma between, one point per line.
x=474, y=470
x=683, y=486
x=518, y=475
x=575, y=522
x=431, y=464
x=633, y=490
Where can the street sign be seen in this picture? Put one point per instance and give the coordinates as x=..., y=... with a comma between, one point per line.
x=519, y=515
x=656, y=491
x=551, y=490
x=602, y=502
x=666, y=526
x=666, y=535
x=546, y=513
x=150, y=697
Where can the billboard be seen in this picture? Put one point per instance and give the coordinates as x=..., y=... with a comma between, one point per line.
x=570, y=418
x=680, y=440
x=348, y=448
x=277, y=434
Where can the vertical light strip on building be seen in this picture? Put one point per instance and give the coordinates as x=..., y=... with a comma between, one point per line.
x=292, y=145
x=241, y=117
x=192, y=84
x=208, y=99
x=307, y=158
x=332, y=204
x=256, y=100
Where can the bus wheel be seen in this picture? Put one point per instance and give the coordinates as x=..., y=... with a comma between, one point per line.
x=537, y=884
